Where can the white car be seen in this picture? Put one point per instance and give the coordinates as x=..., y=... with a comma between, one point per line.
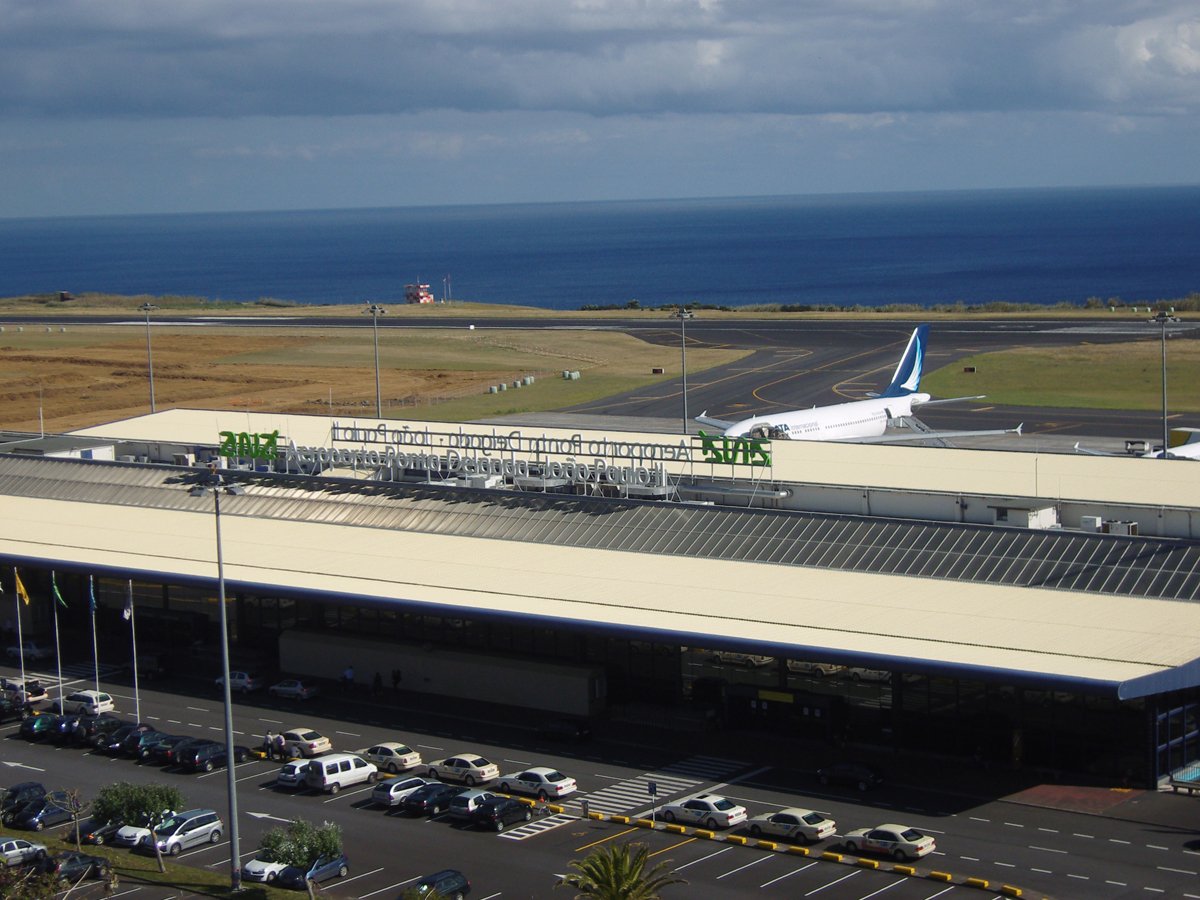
x=542, y=782
x=262, y=869
x=90, y=703
x=392, y=756
x=897, y=841
x=242, y=682
x=794, y=823
x=292, y=689
x=130, y=835
x=30, y=650
x=393, y=791
x=710, y=810
x=857, y=673
x=18, y=851
x=469, y=768
x=303, y=741
x=292, y=774
x=820, y=669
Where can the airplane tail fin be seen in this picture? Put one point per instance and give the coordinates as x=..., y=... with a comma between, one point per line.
x=907, y=378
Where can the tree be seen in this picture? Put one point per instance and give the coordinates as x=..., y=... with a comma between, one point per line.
x=72, y=802
x=619, y=873
x=143, y=805
x=27, y=884
x=302, y=843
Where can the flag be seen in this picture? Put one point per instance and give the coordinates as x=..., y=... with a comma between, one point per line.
x=54, y=590
x=21, y=592
x=92, y=594
x=127, y=612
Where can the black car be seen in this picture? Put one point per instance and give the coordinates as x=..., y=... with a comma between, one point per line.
x=449, y=883
x=93, y=832
x=91, y=727
x=159, y=752
x=71, y=866
x=853, y=774
x=136, y=741
x=113, y=741
x=500, y=812
x=10, y=710
x=36, y=728
x=172, y=755
x=208, y=756
x=14, y=799
x=53, y=809
x=64, y=729
x=431, y=799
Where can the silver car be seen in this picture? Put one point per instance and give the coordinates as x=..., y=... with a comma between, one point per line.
x=392, y=792
x=18, y=851
x=292, y=775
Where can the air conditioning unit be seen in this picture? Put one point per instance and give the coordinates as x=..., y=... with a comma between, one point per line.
x=1090, y=523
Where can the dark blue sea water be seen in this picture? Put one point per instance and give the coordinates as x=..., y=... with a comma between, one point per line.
x=1040, y=246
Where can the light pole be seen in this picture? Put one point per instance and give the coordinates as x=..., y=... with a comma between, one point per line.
x=215, y=485
x=1163, y=318
x=148, y=308
x=683, y=314
x=375, y=311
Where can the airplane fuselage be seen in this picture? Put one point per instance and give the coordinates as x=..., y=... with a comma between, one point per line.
x=850, y=421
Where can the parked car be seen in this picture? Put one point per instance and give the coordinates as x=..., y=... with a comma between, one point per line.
x=88, y=728
x=130, y=835
x=853, y=774
x=114, y=740
x=138, y=742
x=241, y=682
x=292, y=774
x=334, y=771
x=542, y=782
x=90, y=703
x=794, y=824
x=469, y=768
x=392, y=756
x=183, y=831
x=172, y=754
x=20, y=852
x=30, y=650
x=208, y=756
x=53, y=809
x=71, y=866
x=64, y=729
x=162, y=750
x=10, y=710
x=500, y=812
x=13, y=799
x=710, y=810
x=303, y=741
x=22, y=692
x=430, y=799
x=322, y=870
x=392, y=792
x=820, y=669
x=749, y=660
x=449, y=883
x=36, y=728
x=897, y=841
x=263, y=869
x=465, y=805
x=292, y=689
x=92, y=831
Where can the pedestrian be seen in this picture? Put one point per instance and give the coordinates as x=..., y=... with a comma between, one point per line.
x=347, y=679
x=268, y=745
x=377, y=685
x=279, y=747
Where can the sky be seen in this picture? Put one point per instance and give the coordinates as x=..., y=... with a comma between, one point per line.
x=165, y=106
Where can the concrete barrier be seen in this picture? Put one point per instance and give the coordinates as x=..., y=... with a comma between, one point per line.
x=940, y=876
x=904, y=870
x=599, y=817
x=644, y=823
x=1009, y=891
x=981, y=883
x=830, y=856
x=766, y=845
x=867, y=863
x=736, y=839
x=624, y=820
x=704, y=834
x=674, y=829
x=797, y=851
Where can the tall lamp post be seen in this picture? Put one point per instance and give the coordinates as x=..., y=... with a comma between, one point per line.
x=683, y=314
x=375, y=311
x=148, y=308
x=215, y=485
x=1162, y=319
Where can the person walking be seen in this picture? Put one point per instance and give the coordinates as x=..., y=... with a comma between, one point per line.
x=279, y=748
x=347, y=679
x=268, y=745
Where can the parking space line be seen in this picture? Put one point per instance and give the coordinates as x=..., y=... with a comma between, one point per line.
x=363, y=875
x=831, y=884
x=605, y=840
x=788, y=874
x=761, y=859
x=886, y=887
x=673, y=846
x=390, y=887
x=702, y=859
x=939, y=893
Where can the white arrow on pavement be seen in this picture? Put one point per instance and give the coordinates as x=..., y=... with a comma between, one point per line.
x=264, y=816
x=18, y=765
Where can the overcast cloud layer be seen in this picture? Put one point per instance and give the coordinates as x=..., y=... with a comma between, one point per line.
x=148, y=105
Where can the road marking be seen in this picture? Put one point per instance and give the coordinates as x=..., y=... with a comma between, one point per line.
x=1007, y=865
x=1155, y=847
x=1077, y=834
x=939, y=893
x=831, y=884
x=978, y=819
x=1080, y=877
x=1176, y=871
x=430, y=747
x=604, y=840
x=519, y=762
x=363, y=875
x=1046, y=849
x=1048, y=872
x=349, y=733
x=970, y=858
x=700, y=860
x=1117, y=841
x=761, y=859
x=888, y=887
x=673, y=846
x=788, y=874
x=1014, y=824
x=390, y=887
x=272, y=721
x=1049, y=830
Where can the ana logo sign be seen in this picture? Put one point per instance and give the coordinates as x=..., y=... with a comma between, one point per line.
x=252, y=446
x=744, y=451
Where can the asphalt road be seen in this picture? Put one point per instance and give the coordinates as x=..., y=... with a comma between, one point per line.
x=795, y=363
x=1055, y=853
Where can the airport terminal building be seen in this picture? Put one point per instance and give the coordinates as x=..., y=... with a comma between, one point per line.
x=1034, y=610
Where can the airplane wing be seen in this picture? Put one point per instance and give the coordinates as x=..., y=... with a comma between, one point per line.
x=950, y=400
x=923, y=432
x=705, y=419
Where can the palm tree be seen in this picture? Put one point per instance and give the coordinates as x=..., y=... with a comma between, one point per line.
x=619, y=873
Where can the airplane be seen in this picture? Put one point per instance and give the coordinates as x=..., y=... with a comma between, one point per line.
x=1184, y=443
x=860, y=421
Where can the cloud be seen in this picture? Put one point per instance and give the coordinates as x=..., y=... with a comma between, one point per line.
x=225, y=59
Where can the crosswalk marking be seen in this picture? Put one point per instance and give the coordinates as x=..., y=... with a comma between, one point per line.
x=677, y=778
x=537, y=826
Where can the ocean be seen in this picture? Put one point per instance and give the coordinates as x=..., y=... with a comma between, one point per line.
x=1025, y=246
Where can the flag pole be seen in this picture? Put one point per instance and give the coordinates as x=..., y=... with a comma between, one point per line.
x=57, y=652
x=20, y=638
x=137, y=702
x=95, y=646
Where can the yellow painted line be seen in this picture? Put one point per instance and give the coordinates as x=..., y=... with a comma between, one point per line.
x=609, y=838
x=672, y=847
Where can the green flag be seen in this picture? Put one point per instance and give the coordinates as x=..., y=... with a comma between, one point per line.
x=54, y=588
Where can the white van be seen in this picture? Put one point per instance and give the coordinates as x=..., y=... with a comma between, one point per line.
x=335, y=771
x=90, y=703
